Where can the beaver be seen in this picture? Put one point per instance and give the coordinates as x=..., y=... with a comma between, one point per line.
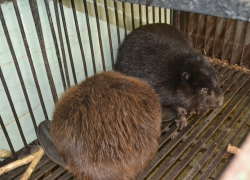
x=161, y=55
x=106, y=127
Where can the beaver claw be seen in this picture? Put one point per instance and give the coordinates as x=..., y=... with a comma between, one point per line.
x=181, y=122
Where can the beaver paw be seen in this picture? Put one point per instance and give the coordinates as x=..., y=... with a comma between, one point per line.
x=181, y=122
x=181, y=110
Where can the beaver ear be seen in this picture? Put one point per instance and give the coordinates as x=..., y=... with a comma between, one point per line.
x=185, y=76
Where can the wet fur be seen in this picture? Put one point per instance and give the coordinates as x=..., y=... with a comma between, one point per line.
x=107, y=127
x=161, y=55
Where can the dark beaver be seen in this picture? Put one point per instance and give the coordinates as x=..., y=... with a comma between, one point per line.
x=162, y=56
x=107, y=127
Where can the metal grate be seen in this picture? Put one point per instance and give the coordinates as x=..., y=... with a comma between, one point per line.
x=196, y=152
x=225, y=39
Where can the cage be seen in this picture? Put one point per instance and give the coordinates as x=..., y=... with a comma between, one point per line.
x=49, y=45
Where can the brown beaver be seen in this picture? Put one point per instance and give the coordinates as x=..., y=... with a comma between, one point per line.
x=161, y=55
x=107, y=127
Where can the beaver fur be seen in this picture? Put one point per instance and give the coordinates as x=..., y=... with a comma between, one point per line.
x=161, y=55
x=107, y=127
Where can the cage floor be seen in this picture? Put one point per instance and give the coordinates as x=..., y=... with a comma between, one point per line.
x=196, y=152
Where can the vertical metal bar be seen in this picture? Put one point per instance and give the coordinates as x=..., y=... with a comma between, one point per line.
x=159, y=15
x=6, y=33
x=177, y=19
x=109, y=33
x=228, y=39
x=36, y=18
x=67, y=41
x=99, y=35
x=61, y=43
x=165, y=15
x=245, y=57
x=239, y=38
x=124, y=17
x=56, y=44
x=146, y=14
x=140, y=15
x=79, y=39
x=30, y=59
x=12, y=105
x=153, y=14
x=219, y=37
x=117, y=23
x=201, y=32
x=172, y=17
x=192, y=28
x=7, y=138
x=210, y=32
x=89, y=33
x=132, y=15
x=213, y=46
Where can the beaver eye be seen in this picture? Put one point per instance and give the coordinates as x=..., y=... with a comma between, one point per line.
x=205, y=89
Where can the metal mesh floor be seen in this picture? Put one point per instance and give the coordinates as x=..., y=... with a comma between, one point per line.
x=196, y=152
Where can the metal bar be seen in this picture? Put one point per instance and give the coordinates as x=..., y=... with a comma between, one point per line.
x=147, y=14
x=218, y=157
x=55, y=174
x=30, y=59
x=228, y=40
x=219, y=37
x=165, y=15
x=44, y=160
x=6, y=33
x=215, y=28
x=109, y=34
x=201, y=32
x=56, y=44
x=210, y=132
x=124, y=18
x=36, y=18
x=177, y=19
x=12, y=105
x=245, y=49
x=159, y=14
x=223, y=70
x=216, y=68
x=172, y=17
x=228, y=73
x=61, y=43
x=161, y=171
x=239, y=37
x=140, y=15
x=79, y=39
x=117, y=23
x=99, y=35
x=153, y=14
x=89, y=34
x=66, y=176
x=42, y=171
x=7, y=138
x=162, y=154
x=230, y=158
x=67, y=41
x=192, y=28
x=210, y=31
x=219, y=139
x=132, y=16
